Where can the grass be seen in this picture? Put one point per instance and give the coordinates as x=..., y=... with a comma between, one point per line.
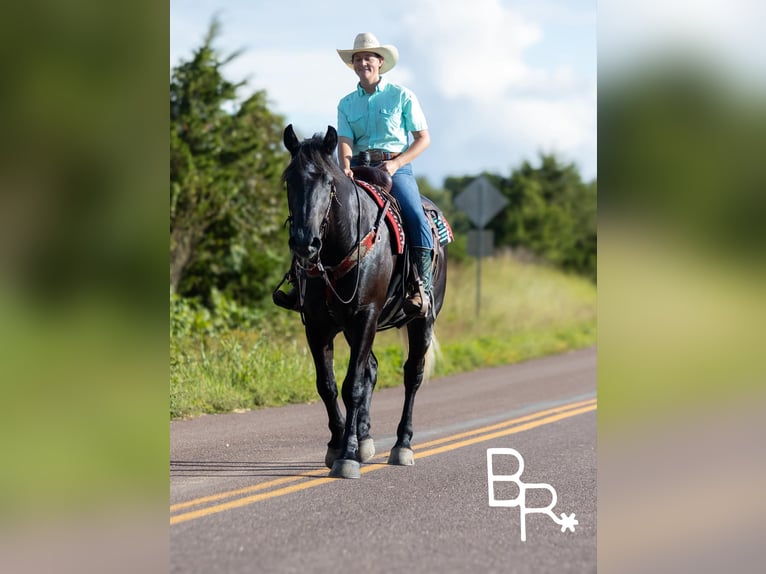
x=527, y=310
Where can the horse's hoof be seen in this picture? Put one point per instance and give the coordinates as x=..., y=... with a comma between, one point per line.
x=401, y=456
x=345, y=468
x=331, y=456
x=366, y=449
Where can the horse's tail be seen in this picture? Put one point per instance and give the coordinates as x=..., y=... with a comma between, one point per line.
x=433, y=356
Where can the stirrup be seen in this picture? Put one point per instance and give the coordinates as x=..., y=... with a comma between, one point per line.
x=419, y=308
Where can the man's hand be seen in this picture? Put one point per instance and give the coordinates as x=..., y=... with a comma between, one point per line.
x=391, y=166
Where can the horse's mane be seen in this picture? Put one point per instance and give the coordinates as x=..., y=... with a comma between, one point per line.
x=312, y=160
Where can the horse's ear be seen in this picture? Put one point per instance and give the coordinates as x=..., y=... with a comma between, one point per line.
x=291, y=140
x=330, y=141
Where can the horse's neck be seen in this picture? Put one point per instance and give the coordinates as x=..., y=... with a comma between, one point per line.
x=346, y=227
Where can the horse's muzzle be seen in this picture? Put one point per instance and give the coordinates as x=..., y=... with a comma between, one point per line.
x=307, y=251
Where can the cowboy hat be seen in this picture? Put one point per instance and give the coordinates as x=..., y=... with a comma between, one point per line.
x=367, y=42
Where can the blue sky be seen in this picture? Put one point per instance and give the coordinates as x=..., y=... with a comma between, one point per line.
x=499, y=80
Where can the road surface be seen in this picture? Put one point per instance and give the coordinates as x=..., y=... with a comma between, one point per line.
x=249, y=492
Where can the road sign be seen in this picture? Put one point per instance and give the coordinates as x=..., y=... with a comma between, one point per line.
x=481, y=201
x=480, y=242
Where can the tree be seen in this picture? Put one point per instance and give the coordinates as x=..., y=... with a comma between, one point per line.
x=552, y=213
x=226, y=199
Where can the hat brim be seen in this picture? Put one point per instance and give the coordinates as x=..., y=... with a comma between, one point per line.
x=389, y=53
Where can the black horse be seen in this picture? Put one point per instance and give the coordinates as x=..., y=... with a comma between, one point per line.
x=350, y=279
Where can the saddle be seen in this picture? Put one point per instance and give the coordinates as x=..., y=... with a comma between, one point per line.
x=374, y=176
x=378, y=187
x=377, y=183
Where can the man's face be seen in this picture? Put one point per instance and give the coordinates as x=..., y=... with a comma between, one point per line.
x=367, y=65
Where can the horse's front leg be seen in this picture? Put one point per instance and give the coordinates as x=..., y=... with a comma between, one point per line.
x=366, y=444
x=419, y=333
x=321, y=345
x=354, y=392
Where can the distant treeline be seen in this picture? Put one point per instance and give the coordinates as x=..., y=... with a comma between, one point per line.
x=228, y=207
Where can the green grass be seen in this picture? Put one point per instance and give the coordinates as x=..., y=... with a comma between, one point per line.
x=240, y=370
x=527, y=310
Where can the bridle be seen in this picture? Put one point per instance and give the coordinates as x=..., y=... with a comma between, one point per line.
x=332, y=274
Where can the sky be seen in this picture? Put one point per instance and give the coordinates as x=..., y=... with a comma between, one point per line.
x=500, y=81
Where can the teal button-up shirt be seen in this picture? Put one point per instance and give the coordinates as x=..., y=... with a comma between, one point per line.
x=381, y=120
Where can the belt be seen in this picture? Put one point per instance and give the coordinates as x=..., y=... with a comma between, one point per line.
x=369, y=156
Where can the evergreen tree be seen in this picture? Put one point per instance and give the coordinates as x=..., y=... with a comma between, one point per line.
x=226, y=200
x=552, y=213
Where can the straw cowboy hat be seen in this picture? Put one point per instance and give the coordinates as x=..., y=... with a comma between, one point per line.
x=367, y=42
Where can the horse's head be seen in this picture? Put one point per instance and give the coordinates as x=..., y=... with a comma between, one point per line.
x=310, y=182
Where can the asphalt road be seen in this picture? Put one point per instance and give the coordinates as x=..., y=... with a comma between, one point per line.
x=249, y=492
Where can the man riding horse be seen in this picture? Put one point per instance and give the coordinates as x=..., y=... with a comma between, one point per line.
x=374, y=123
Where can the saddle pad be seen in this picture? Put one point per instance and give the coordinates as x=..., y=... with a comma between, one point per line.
x=393, y=219
x=440, y=227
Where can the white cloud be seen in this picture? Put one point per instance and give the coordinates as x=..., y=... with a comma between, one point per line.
x=564, y=125
x=501, y=107
x=308, y=80
x=476, y=51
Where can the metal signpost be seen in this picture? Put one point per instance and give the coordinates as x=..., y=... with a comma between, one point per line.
x=481, y=201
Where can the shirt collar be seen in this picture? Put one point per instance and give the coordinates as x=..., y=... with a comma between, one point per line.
x=379, y=88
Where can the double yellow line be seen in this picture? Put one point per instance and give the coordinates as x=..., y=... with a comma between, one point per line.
x=249, y=495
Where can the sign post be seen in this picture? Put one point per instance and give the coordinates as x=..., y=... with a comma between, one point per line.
x=480, y=201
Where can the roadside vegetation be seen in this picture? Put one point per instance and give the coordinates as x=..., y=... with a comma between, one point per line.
x=527, y=310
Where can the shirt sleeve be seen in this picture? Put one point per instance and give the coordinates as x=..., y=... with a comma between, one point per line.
x=414, y=118
x=344, y=128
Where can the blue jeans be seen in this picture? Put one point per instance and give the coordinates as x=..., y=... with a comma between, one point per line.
x=405, y=190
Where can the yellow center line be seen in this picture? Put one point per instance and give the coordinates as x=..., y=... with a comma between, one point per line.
x=507, y=423
x=321, y=472
x=247, y=500
x=555, y=414
x=516, y=429
x=247, y=489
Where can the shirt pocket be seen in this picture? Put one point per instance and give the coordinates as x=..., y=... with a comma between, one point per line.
x=391, y=118
x=358, y=123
